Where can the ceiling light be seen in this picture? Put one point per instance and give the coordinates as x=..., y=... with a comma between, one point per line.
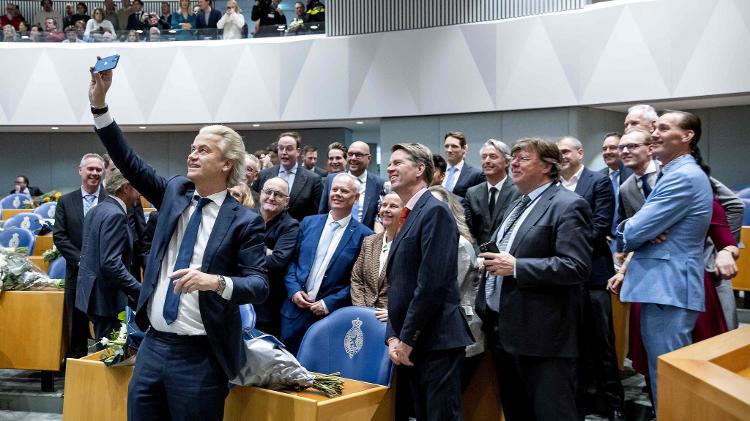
x=256, y=125
x=360, y=122
x=55, y=128
x=142, y=127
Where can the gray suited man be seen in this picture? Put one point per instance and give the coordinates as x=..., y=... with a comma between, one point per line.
x=485, y=203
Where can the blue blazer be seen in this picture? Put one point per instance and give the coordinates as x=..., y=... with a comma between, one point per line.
x=235, y=248
x=469, y=177
x=597, y=189
x=372, y=197
x=671, y=272
x=423, y=302
x=334, y=290
x=105, y=284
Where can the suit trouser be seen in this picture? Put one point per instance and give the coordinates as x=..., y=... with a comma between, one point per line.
x=598, y=362
x=664, y=328
x=77, y=326
x=532, y=388
x=435, y=384
x=178, y=378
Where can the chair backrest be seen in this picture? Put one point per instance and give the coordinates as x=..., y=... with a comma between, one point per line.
x=14, y=201
x=46, y=210
x=17, y=237
x=744, y=193
x=29, y=221
x=746, y=218
x=351, y=341
x=56, y=269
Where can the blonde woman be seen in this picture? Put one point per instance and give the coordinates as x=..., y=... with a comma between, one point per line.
x=242, y=193
x=183, y=21
x=232, y=21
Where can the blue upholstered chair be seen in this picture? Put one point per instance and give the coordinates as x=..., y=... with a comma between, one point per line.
x=14, y=201
x=56, y=269
x=351, y=341
x=46, y=210
x=744, y=193
x=29, y=221
x=17, y=237
x=746, y=219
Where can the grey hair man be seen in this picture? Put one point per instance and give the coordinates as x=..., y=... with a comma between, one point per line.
x=640, y=116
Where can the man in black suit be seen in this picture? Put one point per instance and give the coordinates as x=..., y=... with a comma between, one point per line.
x=310, y=160
x=67, y=235
x=304, y=199
x=207, y=258
x=426, y=331
x=598, y=362
x=208, y=17
x=530, y=298
x=365, y=210
x=617, y=172
x=136, y=20
x=459, y=175
x=22, y=187
x=281, y=241
x=105, y=284
x=486, y=202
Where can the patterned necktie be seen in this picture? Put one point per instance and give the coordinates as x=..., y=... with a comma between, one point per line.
x=492, y=286
x=645, y=186
x=450, y=183
x=88, y=203
x=184, y=256
x=493, y=199
x=320, y=253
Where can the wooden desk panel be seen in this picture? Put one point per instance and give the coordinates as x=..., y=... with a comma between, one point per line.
x=9, y=213
x=742, y=280
x=42, y=244
x=39, y=262
x=31, y=330
x=620, y=324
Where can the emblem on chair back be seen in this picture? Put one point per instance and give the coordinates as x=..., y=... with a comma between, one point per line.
x=354, y=339
x=14, y=241
x=51, y=212
x=16, y=202
x=25, y=224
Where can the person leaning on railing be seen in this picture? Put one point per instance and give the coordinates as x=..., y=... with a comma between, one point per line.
x=184, y=20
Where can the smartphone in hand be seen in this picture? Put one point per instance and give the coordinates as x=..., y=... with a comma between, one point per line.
x=489, y=247
x=106, y=63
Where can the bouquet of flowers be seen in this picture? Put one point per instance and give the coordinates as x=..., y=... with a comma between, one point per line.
x=118, y=349
x=51, y=254
x=52, y=196
x=17, y=272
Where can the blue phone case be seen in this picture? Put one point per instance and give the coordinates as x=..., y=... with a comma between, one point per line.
x=106, y=63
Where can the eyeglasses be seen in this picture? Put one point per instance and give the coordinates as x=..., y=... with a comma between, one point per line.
x=630, y=146
x=357, y=155
x=274, y=193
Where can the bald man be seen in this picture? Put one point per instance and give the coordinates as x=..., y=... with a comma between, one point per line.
x=366, y=208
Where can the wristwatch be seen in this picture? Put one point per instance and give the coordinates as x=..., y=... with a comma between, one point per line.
x=99, y=111
x=222, y=284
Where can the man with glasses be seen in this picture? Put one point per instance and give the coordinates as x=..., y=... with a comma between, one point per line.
x=281, y=241
x=617, y=172
x=252, y=169
x=636, y=154
x=365, y=209
x=318, y=281
x=530, y=298
x=305, y=186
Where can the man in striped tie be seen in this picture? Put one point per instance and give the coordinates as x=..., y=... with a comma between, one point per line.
x=530, y=298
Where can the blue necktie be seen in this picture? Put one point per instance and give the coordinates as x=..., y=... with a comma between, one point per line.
x=645, y=186
x=451, y=182
x=88, y=203
x=615, y=177
x=187, y=247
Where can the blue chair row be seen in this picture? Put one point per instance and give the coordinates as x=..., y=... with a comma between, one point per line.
x=56, y=269
x=29, y=221
x=17, y=237
x=14, y=201
x=46, y=210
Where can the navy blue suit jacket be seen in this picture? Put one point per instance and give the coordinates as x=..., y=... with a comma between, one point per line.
x=105, y=284
x=422, y=271
x=372, y=196
x=235, y=248
x=304, y=194
x=469, y=177
x=213, y=19
x=596, y=188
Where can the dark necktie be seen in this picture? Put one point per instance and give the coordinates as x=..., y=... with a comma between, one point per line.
x=187, y=247
x=645, y=186
x=493, y=199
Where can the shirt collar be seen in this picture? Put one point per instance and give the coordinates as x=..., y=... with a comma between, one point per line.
x=611, y=171
x=293, y=170
x=362, y=177
x=342, y=222
x=413, y=201
x=538, y=191
x=651, y=168
x=498, y=186
x=218, y=197
x=121, y=203
x=575, y=177
x=84, y=193
x=458, y=166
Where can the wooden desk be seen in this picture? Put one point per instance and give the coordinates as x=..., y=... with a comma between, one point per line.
x=707, y=380
x=742, y=280
x=96, y=392
x=620, y=324
x=31, y=331
x=9, y=213
x=42, y=244
x=39, y=262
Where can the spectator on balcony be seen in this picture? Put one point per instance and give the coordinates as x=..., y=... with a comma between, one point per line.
x=336, y=157
x=123, y=14
x=110, y=14
x=268, y=12
x=166, y=12
x=154, y=34
x=71, y=35
x=23, y=29
x=9, y=33
x=316, y=11
x=154, y=21
x=133, y=36
x=68, y=13
x=46, y=12
x=80, y=27
x=34, y=33
x=137, y=18
x=97, y=26
x=208, y=17
x=184, y=20
x=82, y=13
x=232, y=21
x=11, y=17
x=298, y=24
x=53, y=34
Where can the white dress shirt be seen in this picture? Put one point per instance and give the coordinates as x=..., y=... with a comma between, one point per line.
x=498, y=186
x=384, y=252
x=448, y=170
x=362, y=188
x=319, y=267
x=573, y=182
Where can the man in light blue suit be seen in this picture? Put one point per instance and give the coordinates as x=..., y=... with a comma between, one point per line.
x=667, y=236
x=318, y=280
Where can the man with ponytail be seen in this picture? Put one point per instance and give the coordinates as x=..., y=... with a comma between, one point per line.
x=667, y=236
